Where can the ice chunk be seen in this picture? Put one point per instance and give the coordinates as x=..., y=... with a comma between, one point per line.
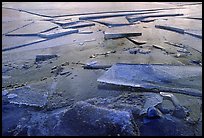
x=111, y=35
x=10, y=96
x=174, y=29
x=28, y=96
x=44, y=57
x=153, y=112
x=91, y=63
x=93, y=120
x=4, y=92
x=135, y=41
x=178, y=79
x=150, y=102
x=6, y=77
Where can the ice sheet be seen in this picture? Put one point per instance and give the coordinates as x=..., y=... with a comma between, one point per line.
x=181, y=79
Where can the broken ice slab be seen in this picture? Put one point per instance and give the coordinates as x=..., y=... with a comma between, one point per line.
x=96, y=66
x=44, y=57
x=139, y=50
x=144, y=51
x=170, y=97
x=85, y=32
x=28, y=96
x=194, y=35
x=6, y=77
x=178, y=30
x=198, y=62
x=175, y=44
x=176, y=79
x=159, y=47
x=112, y=35
x=112, y=24
x=136, y=41
x=84, y=41
x=91, y=63
x=179, y=111
x=80, y=25
x=174, y=29
x=141, y=17
x=4, y=92
x=148, y=20
x=153, y=113
x=151, y=101
x=195, y=18
x=183, y=50
x=10, y=96
x=134, y=50
x=89, y=119
x=65, y=72
x=57, y=33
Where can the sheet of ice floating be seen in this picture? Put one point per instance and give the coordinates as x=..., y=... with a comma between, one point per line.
x=34, y=28
x=57, y=33
x=28, y=96
x=178, y=79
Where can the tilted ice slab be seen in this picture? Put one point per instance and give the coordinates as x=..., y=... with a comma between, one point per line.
x=178, y=79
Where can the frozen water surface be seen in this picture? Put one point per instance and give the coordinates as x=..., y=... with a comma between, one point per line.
x=71, y=101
